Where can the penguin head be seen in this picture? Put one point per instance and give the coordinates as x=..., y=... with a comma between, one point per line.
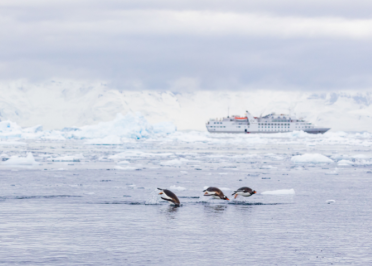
x=225, y=198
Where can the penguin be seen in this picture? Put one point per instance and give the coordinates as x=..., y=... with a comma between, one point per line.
x=244, y=191
x=170, y=197
x=215, y=193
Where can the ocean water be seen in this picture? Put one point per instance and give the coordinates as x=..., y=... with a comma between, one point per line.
x=105, y=210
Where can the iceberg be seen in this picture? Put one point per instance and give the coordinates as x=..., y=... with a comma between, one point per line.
x=129, y=126
x=10, y=130
x=16, y=160
x=122, y=129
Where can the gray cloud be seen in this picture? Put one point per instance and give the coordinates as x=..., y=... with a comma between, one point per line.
x=188, y=45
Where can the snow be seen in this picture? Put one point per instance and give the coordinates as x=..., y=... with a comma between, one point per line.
x=279, y=192
x=16, y=160
x=311, y=158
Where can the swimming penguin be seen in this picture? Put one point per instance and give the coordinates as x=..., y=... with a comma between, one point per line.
x=215, y=193
x=244, y=191
x=169, y=196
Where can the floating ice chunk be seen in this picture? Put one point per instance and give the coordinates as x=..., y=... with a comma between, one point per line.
x=177, y=188
x=362, y=156
x=330, y=201
x=311, y=158
x=174, y=162
x=341, y=157
x=124, y=155
x=345, y=162
x=15, y=160
x=267, y=167
x=124, y=168
x=123, y=162
x=334, y=172
x=9, y=142
x=279, y=192
x=108, y=140
x=68, y=158
x=134, y=153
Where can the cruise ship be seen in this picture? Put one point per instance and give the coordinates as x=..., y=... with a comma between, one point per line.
x=272, y=123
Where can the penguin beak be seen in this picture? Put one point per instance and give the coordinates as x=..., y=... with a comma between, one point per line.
x=236, y=195
x=227, y=199
x=254, y=192
x=160, y=193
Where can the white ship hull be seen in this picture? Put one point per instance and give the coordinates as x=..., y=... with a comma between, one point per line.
x=262, y=125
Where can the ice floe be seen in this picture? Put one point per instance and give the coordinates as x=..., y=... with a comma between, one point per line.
x=124, y=168
x=67, y=158
x=311, y=158
x=345, y=162
x=334, y=172
x=174, y=162
x=123, y=162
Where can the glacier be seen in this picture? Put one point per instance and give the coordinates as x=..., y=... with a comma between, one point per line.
x=58, y=104
x=121, y=129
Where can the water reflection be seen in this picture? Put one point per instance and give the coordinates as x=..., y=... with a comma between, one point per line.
x=215, y=208
x=169, y=211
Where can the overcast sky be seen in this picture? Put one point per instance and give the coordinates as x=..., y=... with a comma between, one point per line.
x=187, y=45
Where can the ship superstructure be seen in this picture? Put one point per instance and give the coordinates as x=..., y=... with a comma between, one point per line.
x=272, y=123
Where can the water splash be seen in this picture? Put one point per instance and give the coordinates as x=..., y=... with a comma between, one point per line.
x=153, y=198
